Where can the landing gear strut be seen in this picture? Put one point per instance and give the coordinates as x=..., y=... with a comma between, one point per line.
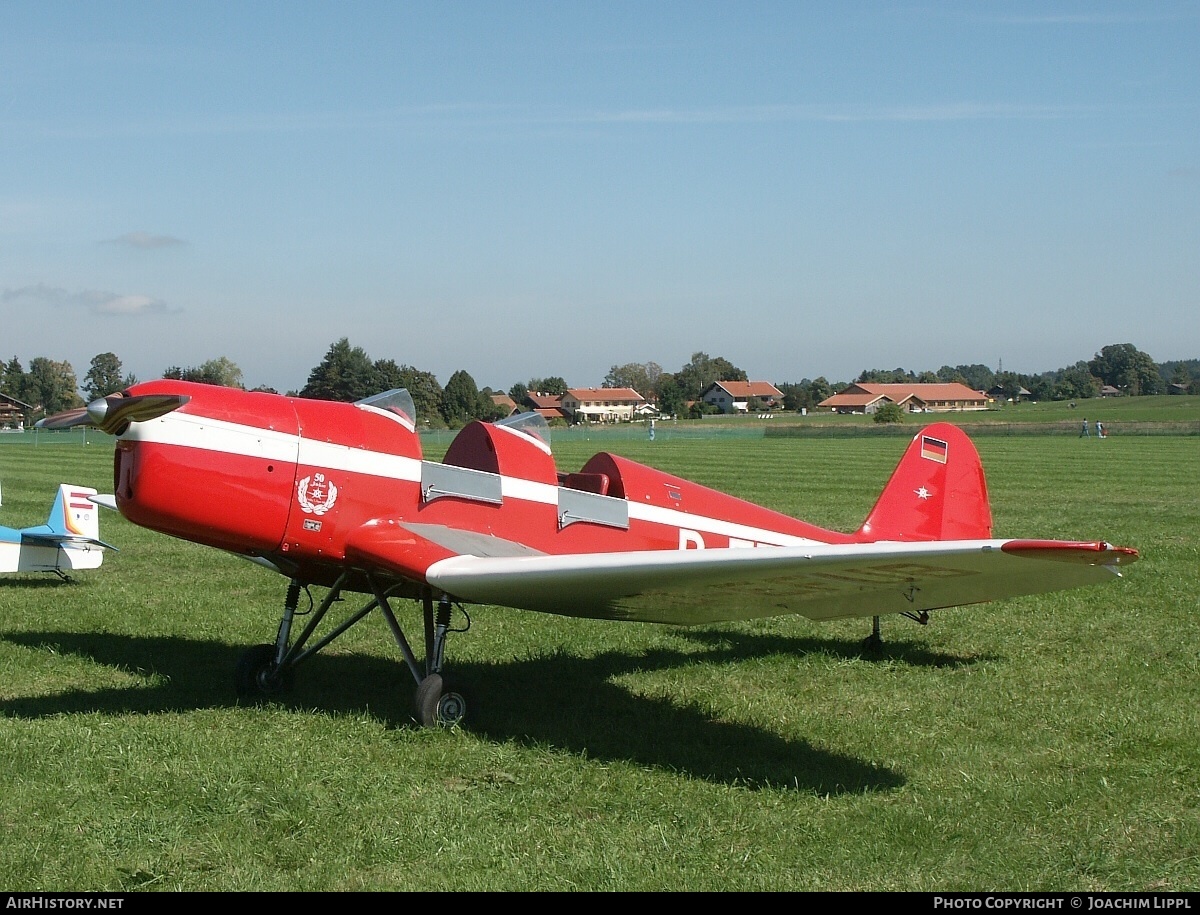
x=436, y=704
x=267, y=671
x=873, y=644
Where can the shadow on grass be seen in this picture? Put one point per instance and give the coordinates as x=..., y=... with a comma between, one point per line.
x=904, y=651
x=559, y=700
x=24, y=581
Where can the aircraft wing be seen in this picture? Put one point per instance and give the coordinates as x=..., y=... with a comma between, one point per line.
x=686, y=587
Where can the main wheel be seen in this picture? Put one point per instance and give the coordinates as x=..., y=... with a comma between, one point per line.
x=258, y=677
x=438, y=706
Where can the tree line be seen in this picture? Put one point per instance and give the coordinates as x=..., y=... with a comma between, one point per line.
x=348, y=373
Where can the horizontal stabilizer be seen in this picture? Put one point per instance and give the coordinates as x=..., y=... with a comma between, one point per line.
x=33, y=538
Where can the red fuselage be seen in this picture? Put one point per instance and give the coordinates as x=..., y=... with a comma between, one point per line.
x=297, y=481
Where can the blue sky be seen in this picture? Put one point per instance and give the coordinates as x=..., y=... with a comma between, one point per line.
x=525, y=189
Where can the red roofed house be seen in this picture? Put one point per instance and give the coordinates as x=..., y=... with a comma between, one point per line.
x=506, y=403
x=549, y=405
x=915, y=398
x=602, y=405
x=737, y=396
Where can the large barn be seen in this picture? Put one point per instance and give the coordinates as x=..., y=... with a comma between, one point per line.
x=864, y=397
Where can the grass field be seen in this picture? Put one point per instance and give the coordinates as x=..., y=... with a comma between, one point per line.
x=1045, y=743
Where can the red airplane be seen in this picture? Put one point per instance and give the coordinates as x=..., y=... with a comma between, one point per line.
x=338, y=496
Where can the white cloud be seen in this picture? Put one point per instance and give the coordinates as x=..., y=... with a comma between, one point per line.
x=145, y=240
x=96, y=301
x=128, y=305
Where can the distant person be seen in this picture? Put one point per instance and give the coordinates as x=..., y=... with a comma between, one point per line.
x=1100, y=433
x=1084, y=433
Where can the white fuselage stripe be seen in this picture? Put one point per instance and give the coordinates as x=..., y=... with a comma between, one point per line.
x=188, y=430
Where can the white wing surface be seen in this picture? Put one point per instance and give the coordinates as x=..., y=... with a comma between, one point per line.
x=688, y=587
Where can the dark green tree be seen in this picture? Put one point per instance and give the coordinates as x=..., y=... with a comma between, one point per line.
x=460, y=400
x=1184, y=372
x=103, y=377
x=489, y=410
x=819, y=389
x=796, y=395
x=12, y=379
x=1076, y=383
x=1180, y=374
x=1009, y=384
x=641, y=376
x=886, y=376
x=423, y=387
x=221, y=371
x=51, y=386
x=669, y=397
x=552, y=385
x=702, y=371
x=1040, y=387
x=345, y=374
x=518, y=392
x=388, y=375
x=889, y=413
x=977, y=377
x=1124, y=366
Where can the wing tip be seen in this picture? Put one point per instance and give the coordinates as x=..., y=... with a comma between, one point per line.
x=1089, y=552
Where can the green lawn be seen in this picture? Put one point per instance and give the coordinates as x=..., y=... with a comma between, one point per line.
x=1045, y=743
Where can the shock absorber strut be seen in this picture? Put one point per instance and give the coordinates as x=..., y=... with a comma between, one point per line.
x=290, y=602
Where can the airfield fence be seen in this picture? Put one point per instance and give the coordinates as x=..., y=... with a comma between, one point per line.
x=81, y=436
x=976, y=430
x=699, y=431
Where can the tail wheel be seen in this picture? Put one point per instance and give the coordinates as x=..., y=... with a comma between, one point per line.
x=437, y=706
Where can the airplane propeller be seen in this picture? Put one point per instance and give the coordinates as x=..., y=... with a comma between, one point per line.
x=112, y=413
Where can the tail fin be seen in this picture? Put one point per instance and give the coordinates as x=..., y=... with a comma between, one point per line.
x=70, y=538
x=74, y=514
x=937, y=492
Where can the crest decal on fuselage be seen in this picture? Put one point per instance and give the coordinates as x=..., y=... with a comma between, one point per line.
x=316, y=494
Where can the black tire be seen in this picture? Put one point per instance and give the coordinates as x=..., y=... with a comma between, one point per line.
x=257, y=678
x=437, y=706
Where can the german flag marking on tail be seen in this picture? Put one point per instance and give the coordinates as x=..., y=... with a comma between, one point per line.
x=934, y=449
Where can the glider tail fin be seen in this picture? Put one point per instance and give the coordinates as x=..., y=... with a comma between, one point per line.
x=937, y=492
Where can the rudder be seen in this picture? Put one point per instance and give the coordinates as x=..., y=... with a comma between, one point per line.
x=937, y=492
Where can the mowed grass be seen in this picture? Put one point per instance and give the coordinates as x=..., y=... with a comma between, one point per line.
x=1044, y=743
